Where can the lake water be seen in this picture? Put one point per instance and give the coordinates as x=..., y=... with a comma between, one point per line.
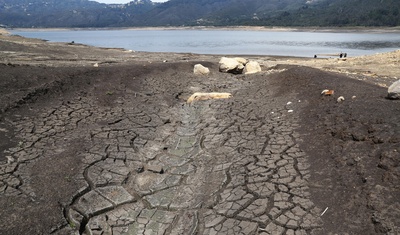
x=228, y=42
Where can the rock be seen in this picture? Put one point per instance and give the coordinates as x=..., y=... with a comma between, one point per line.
x=394, y=91
x=232, y=65
x=252, y=67
x=207, y=96
x=241, y=60
x=327, y=92
x=227, y=64
x=96, y=65
x=238, y=65
x=200, y=70
x=340, y=99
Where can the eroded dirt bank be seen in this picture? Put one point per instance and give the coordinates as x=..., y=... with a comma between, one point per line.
x=115, y=149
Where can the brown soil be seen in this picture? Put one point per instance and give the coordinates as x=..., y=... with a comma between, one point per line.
x=354, y=145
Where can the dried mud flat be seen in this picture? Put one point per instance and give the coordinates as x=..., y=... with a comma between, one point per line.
x=115, y=149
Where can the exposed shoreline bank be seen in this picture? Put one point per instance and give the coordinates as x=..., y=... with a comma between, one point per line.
x=236, y=28
x=67, y=54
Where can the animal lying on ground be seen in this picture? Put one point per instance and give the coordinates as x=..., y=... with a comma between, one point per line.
x=208, y=96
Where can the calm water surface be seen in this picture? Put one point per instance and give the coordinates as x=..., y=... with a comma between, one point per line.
x=228, y=42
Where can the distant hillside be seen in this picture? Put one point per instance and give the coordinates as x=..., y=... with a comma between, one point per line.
x=69, y=13
x=339, y=13
x=215, y=12
x=84, y=13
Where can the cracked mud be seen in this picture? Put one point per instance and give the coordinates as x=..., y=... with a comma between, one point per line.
x=117, y=150
x=226, y=167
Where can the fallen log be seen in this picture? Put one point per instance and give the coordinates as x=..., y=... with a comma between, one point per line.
x=208, y=96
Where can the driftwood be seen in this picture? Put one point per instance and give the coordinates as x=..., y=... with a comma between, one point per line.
x=208, y=96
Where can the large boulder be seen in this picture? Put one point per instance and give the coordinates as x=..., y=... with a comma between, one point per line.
x=232, y=65
x=200, y=70
x=241, y=60
x=394, y=91
x=252, y=67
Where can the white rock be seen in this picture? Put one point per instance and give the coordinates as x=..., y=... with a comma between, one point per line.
x=200, y=70
x=241, y=60
x=230, y=65
x=226, y=64
x=394, y=91
x=252, y=67
x=340, y=99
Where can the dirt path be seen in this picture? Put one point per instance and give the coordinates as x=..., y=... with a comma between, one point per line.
x=115, y=149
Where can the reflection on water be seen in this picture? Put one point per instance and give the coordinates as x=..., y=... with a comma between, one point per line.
x=228, y=41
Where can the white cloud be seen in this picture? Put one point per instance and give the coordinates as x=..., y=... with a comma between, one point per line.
x=123, y=1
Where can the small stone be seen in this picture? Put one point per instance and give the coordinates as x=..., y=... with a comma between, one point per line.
x=200, y=70
x=340, y=99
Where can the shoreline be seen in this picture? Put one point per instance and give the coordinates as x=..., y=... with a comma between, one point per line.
x=385, y=63
x=233, y=28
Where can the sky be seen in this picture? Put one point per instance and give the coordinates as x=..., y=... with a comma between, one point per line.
x=123, y=1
